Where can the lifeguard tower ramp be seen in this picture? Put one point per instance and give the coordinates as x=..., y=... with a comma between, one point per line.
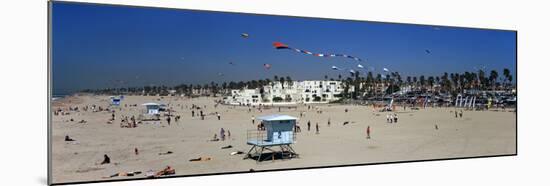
x=274, y=141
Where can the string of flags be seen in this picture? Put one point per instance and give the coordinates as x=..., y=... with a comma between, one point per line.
x=279, y=45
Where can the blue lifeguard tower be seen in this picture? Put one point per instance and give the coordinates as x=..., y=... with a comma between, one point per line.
x=278, y=131
x=115, y=101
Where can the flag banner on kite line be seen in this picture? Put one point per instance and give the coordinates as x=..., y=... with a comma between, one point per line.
x=279, y=45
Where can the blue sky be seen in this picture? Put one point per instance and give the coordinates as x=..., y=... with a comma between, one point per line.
x=98, y=46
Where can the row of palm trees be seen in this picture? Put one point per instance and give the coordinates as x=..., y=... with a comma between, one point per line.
x=449, y=83
x=362, y=85
x=211, y=88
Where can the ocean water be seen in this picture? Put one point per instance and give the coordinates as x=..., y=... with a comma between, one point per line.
x=59, y=95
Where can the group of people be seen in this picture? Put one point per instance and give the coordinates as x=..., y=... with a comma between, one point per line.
x=223, y=135
x=391, y=118
x=457, y=114
x=128, y=123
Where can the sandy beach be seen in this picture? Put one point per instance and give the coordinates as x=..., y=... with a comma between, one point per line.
x=413, y=137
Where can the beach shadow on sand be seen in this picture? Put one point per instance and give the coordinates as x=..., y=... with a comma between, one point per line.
x=272, y=156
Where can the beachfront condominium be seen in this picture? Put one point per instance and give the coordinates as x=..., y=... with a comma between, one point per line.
x=287, y=93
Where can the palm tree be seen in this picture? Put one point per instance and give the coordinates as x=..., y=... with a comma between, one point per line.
x=422, y=82
x=481, y=79
x=414, y=81
x=507, y=76
x=289, y=81
x=431, y=82
x=282, y=81
x=493, y=76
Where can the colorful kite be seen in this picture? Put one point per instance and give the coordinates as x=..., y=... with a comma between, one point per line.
x=244, y=35
x=279, y=45
x=267, y=66
x=359, y=66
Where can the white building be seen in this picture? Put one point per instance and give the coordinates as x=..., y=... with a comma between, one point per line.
x=294, y=92
x=244, y=97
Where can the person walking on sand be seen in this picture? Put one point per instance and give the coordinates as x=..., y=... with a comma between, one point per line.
x=308, y=125
x=316, y=128
x=387, y=118
x=395, y=117
x=168, y=120
x=222, y=134
x=328, y=122
x=368, y=132
x=219, y=116
x=456, y=114
x=252, y=118
x=192, y=113
x=460, y=114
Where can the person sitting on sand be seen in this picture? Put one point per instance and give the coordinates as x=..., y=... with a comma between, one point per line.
x=67, y=138
x=215, y=138
x=166, y=171
x=106, y=159
x=201, y=159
